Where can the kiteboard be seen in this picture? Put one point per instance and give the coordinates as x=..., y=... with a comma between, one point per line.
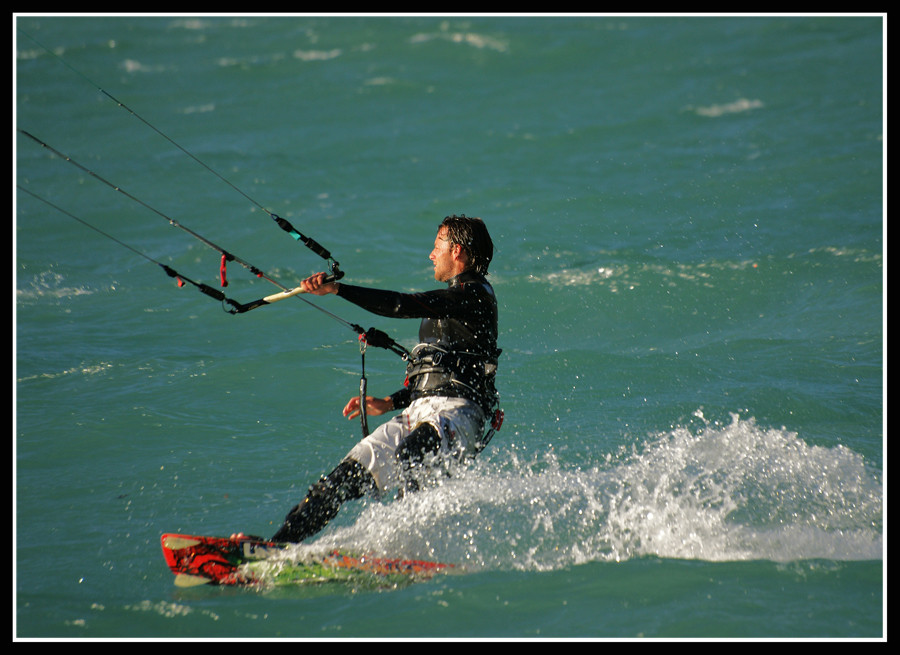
x=240, y=561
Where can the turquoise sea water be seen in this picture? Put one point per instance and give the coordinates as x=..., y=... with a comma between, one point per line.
x=689, y=229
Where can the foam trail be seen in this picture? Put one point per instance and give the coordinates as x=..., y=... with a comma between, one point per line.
x=722, y=493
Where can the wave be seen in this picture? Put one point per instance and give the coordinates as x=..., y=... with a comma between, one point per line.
x=736, y=107
x=463, y=37
x=621, y=272
x=622, y=277
x=82, y=369
x=47, y=284
x=735, y=492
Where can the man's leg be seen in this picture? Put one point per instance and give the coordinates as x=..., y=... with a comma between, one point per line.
x=421, y=443
x=350, y=480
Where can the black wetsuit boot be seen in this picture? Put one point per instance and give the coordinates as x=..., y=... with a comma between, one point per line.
x=350, y=480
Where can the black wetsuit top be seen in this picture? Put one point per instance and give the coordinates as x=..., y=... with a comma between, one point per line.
x=457, y=352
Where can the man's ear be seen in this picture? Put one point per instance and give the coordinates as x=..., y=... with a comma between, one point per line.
x=459, y=254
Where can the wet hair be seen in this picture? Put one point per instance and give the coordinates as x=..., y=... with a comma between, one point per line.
x=472, y=236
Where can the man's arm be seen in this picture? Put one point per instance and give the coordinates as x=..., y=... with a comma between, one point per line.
x=374, y=406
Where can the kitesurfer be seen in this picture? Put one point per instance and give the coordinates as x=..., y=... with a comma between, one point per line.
x=449, y=394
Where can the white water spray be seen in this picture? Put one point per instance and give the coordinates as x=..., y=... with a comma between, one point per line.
x=723, y=493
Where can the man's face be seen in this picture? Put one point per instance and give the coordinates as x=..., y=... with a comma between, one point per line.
x=444, y=257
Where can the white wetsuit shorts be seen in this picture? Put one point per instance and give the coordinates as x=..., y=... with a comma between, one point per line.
x=459, y=423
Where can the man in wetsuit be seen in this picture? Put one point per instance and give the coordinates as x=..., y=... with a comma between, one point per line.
x=449, y=393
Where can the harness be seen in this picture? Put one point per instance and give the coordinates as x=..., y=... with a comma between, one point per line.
x=434, y=370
